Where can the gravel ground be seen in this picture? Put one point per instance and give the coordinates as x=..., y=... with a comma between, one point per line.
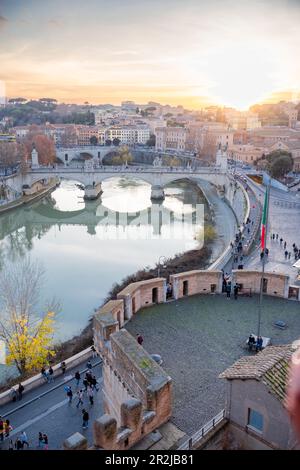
x=200, y=336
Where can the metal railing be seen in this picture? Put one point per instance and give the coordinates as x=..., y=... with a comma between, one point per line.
x=202, y=432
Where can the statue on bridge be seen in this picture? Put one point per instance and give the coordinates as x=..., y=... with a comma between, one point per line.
x=157, y=162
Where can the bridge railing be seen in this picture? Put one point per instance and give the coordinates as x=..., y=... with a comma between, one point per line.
x=118, y=169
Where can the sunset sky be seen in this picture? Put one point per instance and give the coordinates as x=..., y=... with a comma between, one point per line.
x=191, y=52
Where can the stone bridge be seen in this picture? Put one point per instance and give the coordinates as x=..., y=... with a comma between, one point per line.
x=92, y=176
x=96, y=152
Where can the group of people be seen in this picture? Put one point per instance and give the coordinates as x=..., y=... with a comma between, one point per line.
x=255, y=343
x=20, y=443
x=17, y=394
x=5, y=428
x=283, y=244
x=227, y=287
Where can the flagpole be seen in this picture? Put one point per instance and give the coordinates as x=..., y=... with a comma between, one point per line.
x=263, y=242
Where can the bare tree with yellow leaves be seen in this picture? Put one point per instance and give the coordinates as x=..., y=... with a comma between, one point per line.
x=26, y=332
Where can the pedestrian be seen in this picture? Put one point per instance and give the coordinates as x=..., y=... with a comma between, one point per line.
x=77, y=378
x=286, y=254
x=235, y=291
x=273, y=236
x=85, y=383
x=41, y=440
x=80, y=398
x=18, y=444
x=85, y=419
x=7, y=427
x=13, y=394
x=20, y=391
x=289, y=255
x=44, y=374
x=23, y=439
x=280, y=241
x=228, y=290
x=261, y=255
x=89, y=365
x=45, y=441
x=11, y=445
x=139, y=339
x=63, y=367
x=94, y=352
x=50, y=375
x=90, y=394
x=1, y=429
x=94, y=383
x=277, y=236
x=284, y=245
x=70, y=395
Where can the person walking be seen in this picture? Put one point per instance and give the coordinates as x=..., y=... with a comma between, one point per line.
x=94, y=352
x=139, y=339
x=44, y=374
x=63, y=367
x=228, y=290
x=89, y=365
x=94, y=383
x=18, y=444
x=70, y=395
x=77, y=378
x=45, y=441
x=286, y=254
x=7, y=427
x=20, y=391
x=284, y=245
x=11, y=445
x=235, y=292
x=289, y=255
x=280, y=241
x=277, y=236
x=90, y=394
x=23, y=439
x=50, y=375
x=41, y=440
x=85, y=419
x=85, y=383
x=80, y=398
x=1, y=429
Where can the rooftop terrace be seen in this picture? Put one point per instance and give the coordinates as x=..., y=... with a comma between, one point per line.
x=199, y=337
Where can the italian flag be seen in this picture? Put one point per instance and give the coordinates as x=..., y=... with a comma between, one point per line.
x=264, y=222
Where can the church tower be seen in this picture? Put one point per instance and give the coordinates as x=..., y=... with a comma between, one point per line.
x=34, y=158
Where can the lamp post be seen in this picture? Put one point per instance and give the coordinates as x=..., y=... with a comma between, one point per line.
x=159, y=264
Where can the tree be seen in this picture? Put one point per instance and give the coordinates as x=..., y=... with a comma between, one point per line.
x=108, y=142
x=28, y=336
x=124, y=156
x=137, y=110
x=116, y=141
x=93, y=140
x=8, y=154
x=44, y=146
x=279, y=163
x=151, y=141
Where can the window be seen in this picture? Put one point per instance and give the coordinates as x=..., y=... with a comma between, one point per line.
x=255, y=420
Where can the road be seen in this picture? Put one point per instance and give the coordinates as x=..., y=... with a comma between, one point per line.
x=46, y=410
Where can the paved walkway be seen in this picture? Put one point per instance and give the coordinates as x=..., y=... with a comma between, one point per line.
x=284, y=220
x=46, y=409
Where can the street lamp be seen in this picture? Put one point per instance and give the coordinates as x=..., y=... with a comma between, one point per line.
x=159, y=264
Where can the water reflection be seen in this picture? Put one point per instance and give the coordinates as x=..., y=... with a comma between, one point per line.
x=86, y=247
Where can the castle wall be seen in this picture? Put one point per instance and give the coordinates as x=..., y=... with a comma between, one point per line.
x=196, y=282
x=275, y=284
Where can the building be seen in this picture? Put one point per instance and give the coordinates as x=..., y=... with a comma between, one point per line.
x=247, y=153
x=170, y=138
x=242, y=120
x=85, y=133
x=129, y=135
x=256, y=401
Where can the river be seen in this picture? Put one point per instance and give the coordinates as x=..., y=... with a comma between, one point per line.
x=85, y=247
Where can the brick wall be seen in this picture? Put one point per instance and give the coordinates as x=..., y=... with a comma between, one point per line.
x=275, y=284
x=196, y=282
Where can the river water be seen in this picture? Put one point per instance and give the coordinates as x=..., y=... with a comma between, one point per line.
x=85, y=247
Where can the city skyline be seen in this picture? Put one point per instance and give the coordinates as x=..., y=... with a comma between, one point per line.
x=194, y=54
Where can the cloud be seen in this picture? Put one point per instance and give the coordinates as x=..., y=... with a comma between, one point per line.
x=3, y=21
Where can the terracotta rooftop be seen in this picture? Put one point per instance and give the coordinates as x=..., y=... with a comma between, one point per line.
x=269, y=367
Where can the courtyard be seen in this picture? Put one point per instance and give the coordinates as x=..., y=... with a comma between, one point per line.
x=200, y=336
